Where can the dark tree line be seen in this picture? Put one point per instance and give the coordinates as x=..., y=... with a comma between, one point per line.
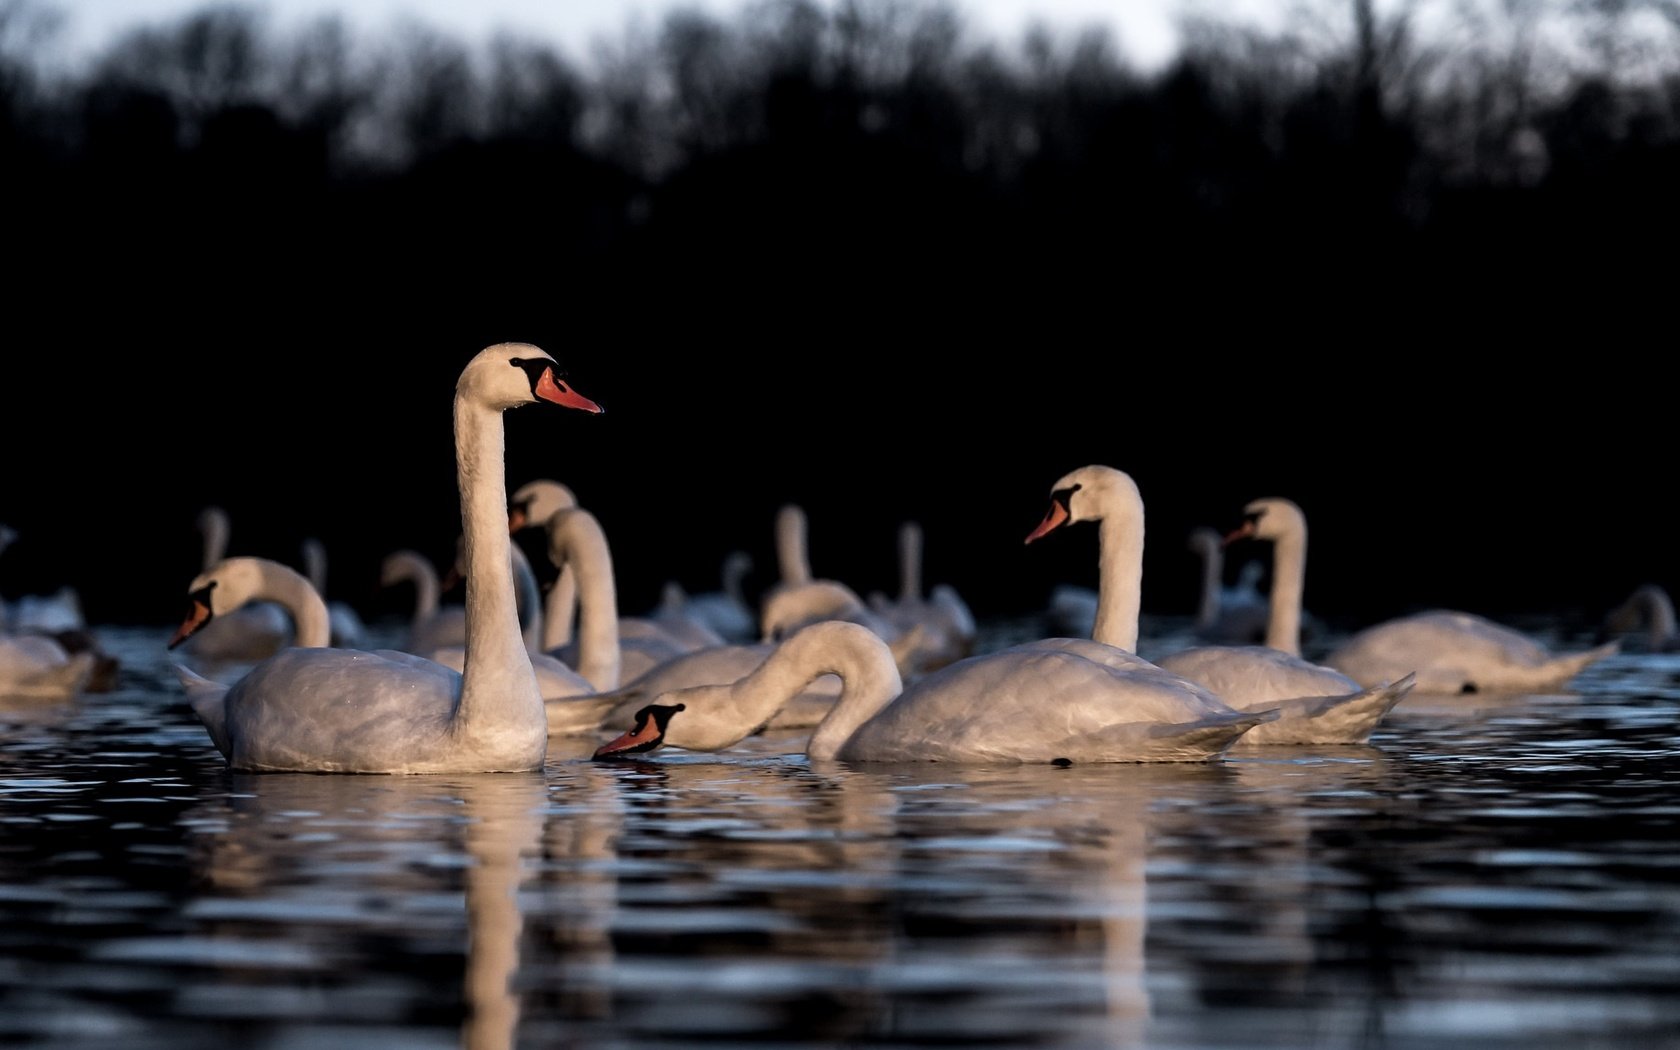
x=857, y=204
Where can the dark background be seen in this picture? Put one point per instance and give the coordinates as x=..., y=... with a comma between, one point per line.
x=863, y=261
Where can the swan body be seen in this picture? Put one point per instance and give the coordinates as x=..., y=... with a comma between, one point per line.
x=1317, y=704
x=724, y=611
x=1065, y=700
x=1459, y=652
x=1449, y=651
x=314, y=709
x=40, y=667
x=788, y=609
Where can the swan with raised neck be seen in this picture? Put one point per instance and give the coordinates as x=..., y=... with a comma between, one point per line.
x=344, y=710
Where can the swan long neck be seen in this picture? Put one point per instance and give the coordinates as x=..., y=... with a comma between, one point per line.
x=527, y=598
x=735, y=569
x=791, y=555
x=1659, y=614
x=497, y=676
x=315, y=565
x=427, y=587
x=1289, y=578
x=1213, y=569
x=580, y=544
x=213, y=524
x=869, y=681
x=1119, y=582
x=560, y=609
x=312, y=627
x=909, y=563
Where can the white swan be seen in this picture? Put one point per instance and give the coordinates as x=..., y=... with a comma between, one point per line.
x=51, y=666
x=1650, y=607
x=345, y=710
x=40, y=667
x=1058, y=701
x=1053, y=700
x=1450, y=651
x=255, y=631
x=1227, y=614
x=530, y=506
x=1314, y=705
x=348, y=631
x=950, y=626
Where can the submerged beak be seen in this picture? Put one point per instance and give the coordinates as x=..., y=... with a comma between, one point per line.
x=196, y=618
x=1054, y=518
x=648, y=734
x=551, y=387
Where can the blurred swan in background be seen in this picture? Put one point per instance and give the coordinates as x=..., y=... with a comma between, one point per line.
x=950, y=626
x=348, y=631
x=724, y=611
x=253, y=632
x=1449, y=651
x=1648, y=607
x=1227, y=614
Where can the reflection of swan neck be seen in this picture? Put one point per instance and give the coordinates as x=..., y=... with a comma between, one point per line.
x=1119, y=578
x=496, y=678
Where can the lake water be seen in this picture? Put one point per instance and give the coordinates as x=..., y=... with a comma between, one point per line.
x=1488, y=872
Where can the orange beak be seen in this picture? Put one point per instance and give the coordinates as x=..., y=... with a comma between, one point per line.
x=648, y=735
x=196, y=618
x=1055, y=518
x=551, y=387
x=1241, y=532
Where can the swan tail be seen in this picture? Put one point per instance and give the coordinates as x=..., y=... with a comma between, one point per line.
x=1203, y=740
x=208, y=700
x=1346, y=719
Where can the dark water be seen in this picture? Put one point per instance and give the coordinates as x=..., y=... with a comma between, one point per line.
x=1489, y=872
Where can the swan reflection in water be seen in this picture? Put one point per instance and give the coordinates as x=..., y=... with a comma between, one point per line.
x=379, y=867
x=870, y=879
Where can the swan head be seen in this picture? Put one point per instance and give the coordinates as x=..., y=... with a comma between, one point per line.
x=1269, y=519
x=1205, y=541
x=534, y=502
x=507, y=375
x=226, y=586
x=1090, y=494
x=648, y=733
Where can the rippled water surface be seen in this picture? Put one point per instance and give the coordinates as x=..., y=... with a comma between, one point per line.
x=1489, y=872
